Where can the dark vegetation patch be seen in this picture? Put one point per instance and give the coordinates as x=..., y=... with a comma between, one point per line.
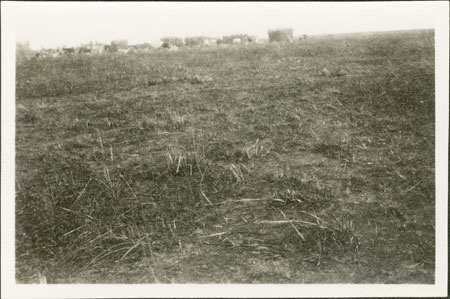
x=333, y=151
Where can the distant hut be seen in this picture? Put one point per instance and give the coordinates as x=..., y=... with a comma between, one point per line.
x=211, y=41
x=98, y=48
x=281, y=35
x=156, y=44
x=236, y=39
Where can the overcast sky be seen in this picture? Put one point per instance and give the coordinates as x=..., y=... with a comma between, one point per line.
x=72, y=23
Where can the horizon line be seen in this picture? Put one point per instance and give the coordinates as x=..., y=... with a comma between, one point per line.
x=212, y=36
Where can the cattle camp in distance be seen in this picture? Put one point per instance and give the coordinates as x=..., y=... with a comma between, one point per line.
x=168, y=43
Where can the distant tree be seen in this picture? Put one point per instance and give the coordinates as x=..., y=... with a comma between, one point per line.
x=281, y=35
x=113, y=48
x=118, y=44
x=172, y=41
x=194, y=41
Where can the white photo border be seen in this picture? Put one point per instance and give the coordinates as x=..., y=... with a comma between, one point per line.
x=9, y=288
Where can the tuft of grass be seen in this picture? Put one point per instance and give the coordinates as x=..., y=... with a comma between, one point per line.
x=236, y=172
x=176, y=120
x=256, y=149
x=181, y=162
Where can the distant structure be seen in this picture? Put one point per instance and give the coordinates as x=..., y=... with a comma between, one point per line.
x=232, y=39
x=168, y=43
x=123, y=51
x=211, y=41
x=156, y=44
x=281, y=35
x=196, y=41
x=97, y=48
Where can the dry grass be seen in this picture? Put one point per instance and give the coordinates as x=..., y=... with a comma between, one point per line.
x=177, y=121
x=235, y=164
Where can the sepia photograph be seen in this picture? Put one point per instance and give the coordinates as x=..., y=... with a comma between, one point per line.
x=241, y=149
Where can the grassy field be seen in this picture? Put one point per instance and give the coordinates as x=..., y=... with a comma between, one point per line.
x=308, y=162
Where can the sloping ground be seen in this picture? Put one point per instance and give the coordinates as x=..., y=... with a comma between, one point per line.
x=300, y=163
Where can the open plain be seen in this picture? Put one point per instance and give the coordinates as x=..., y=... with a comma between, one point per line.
x=304, y=162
